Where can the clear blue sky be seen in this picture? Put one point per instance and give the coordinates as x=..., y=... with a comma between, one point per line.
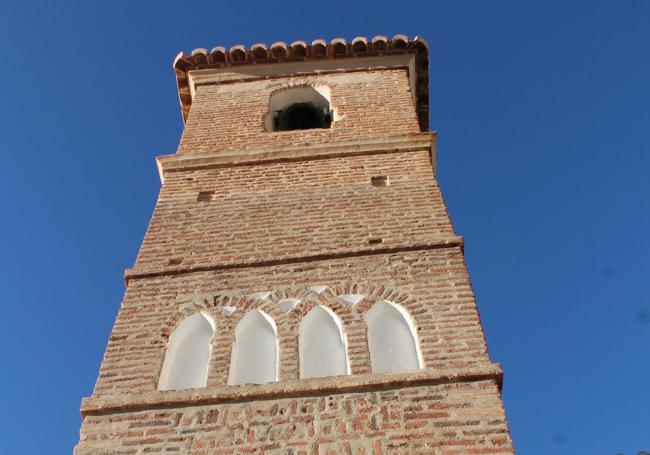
x=543, y=114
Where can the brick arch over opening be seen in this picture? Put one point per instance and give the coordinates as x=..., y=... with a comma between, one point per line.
x=254, y=358
x=223, y=342
x=351, y=318
x=289, y=94
x=290, y=365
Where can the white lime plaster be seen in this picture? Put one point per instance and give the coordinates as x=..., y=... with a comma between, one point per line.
x=263, y=295
x=392, y=339
x=188, y=354
x=351, y=299
x=228, y=310
x=323, y=345
x=288, y=304
x=317, y=289
x=254, y=358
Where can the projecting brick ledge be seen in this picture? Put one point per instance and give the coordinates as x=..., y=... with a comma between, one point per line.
x=289, y=389
x=296, y=152
x=450, y=242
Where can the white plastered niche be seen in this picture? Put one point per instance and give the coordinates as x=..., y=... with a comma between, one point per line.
x=392, y=339
x=188, y=354
x=323, y=345
x=254, y=357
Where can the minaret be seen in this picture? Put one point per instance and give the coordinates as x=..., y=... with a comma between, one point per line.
x=300, y=289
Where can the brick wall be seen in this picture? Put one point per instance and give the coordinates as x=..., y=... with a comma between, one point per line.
x=446, y=419
x=231, y=116
x=290, y=209
x=431, y=284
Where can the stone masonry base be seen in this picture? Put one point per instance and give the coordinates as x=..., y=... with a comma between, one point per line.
x=447, y=418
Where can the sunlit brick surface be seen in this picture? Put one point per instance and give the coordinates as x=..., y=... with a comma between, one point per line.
x=247, y=218
x=230, y=117
x=460, y=418
x=272, y=211
x=432, y=285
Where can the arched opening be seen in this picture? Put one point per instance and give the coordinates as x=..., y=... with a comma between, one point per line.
x=254, y=358
x=323, y=348
x=300, y=108
x=391, y=338
x=188, y=354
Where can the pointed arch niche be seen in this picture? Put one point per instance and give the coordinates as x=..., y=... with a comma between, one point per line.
x=392, y=339
x=254, y=357
x=188, y=354
x=322, y=345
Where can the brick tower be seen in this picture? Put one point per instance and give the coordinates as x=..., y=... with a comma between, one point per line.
x=300, y=289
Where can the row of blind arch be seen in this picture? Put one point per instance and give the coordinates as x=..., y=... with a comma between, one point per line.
x=322, y=344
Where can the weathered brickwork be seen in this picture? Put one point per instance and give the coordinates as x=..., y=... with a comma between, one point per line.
x=431, y=284
x=447, y=419
x=248, y=217
x=279, y=210
x=231, y=117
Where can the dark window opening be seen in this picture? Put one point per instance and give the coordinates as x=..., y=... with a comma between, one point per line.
x=302, y=116
x=205, y=196
x=379, y=180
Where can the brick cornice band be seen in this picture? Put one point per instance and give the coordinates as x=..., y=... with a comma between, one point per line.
x=299, y=152
x=451, y=242
x=289, y=389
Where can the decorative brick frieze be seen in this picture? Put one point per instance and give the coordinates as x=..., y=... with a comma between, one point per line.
x=432, y=285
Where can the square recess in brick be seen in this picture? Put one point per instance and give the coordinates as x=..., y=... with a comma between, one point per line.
x=379, y=180
x=205, y=196
x=175, y=261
